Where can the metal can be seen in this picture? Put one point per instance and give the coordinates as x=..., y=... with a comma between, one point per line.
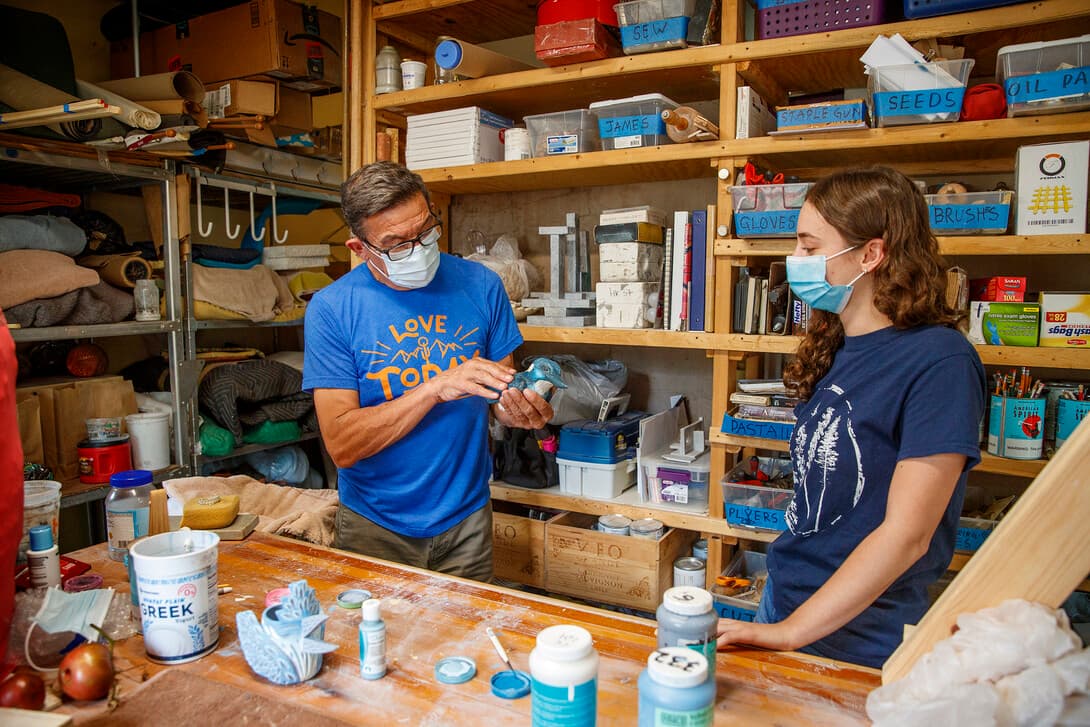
x=1053, y=390
x=614, y=524
x=689, y=571
x=700, y=549
x=647, y=527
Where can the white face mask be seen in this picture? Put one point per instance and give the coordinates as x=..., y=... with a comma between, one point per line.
x=417, y=270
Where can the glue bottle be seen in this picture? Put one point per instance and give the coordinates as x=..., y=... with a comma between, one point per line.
x=42, y=558
x=372, y=641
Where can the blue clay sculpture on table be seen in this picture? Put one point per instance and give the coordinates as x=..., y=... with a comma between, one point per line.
x=542, y=371
x=280, y=648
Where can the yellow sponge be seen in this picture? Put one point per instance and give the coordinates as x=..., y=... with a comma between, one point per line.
x=209, y=513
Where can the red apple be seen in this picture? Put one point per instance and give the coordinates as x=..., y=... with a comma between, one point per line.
x=87, y=672
x=23, y=690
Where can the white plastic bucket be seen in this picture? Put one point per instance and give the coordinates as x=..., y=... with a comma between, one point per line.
x=41, y=506
x=150, y=438
x=176, y=577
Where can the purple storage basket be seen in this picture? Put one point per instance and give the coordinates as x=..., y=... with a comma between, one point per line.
x=776, y=18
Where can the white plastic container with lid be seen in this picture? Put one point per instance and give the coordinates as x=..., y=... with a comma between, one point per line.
x=387, y=70
x=675, y=689
x=127, y=509
x=564, y=678
x=687, y=618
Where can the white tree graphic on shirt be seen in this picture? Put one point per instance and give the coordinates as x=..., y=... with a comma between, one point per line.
x=821, y=449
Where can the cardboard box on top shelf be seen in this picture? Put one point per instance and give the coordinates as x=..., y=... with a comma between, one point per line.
x=242, y=98
x=272, y=38
x=327, y=110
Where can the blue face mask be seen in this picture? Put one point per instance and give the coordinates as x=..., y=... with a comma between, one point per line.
x=806, y=276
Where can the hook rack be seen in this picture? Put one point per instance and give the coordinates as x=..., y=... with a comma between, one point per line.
x=253, y=224
x=201, y=229
x=275, y=231
x=227, y=216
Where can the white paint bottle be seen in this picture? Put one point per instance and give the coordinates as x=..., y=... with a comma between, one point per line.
x=564, y=678
x=43, y=558
x=372, y=641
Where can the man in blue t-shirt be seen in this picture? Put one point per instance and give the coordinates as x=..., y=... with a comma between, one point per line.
x=404, y=354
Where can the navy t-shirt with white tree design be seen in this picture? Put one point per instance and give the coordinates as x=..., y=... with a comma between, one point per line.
x=890, y=395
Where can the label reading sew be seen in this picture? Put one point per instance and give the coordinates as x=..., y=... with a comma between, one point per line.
x=1051, y=84
x=757, y=224
x=655, y=31
x=968, y=216
x=915, y=103
x=574, y=706
x=689, y=718
x=819, y=114
x=623, y=126
x=754, y=517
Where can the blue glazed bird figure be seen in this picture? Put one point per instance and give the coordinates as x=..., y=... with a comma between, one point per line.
x=280, y=648
x=543, y=376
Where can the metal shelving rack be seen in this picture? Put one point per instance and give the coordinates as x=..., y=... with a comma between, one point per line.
x=71, y=167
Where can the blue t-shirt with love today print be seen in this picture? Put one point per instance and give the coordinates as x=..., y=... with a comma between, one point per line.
x=889, y=395
x=365, y=336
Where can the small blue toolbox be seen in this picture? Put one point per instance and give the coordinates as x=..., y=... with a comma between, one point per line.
x=608, y=442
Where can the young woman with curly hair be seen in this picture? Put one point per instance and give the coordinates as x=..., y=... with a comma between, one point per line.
x=887, y=431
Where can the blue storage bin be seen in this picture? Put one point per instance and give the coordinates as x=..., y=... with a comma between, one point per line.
x=928, y=8
x=605, y=442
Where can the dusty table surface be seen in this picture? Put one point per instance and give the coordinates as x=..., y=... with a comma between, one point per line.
x=430, y=616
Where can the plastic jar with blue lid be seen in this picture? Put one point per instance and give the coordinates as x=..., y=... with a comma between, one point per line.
x=687, y=618
x=675, y=689
x=128, y=506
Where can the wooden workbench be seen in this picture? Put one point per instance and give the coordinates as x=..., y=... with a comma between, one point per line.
x=429, y=616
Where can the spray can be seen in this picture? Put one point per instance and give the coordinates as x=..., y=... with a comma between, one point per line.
x=372, y=641
x=43, y=558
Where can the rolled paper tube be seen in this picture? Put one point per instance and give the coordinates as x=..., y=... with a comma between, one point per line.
x=132, y=113
x=28, y=94
x=472, y=61
x=120, y=270
x=175, y=84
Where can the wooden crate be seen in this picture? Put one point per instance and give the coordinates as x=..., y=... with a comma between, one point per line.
x=618, y=569
x=518, y=545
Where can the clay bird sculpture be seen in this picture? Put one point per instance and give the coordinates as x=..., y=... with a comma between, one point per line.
x=280, y=648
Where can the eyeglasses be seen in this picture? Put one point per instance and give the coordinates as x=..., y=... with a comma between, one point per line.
x=402, y=250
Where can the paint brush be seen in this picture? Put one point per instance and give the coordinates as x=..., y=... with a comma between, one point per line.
x=499, y=647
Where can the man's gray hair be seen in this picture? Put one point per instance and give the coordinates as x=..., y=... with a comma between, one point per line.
x=376, y=187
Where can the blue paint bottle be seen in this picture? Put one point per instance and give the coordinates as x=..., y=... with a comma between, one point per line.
x=372, y=641
x=675, y=689
x=687, y=618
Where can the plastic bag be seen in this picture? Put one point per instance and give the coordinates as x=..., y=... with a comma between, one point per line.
x=519, y=276
x=588, y=383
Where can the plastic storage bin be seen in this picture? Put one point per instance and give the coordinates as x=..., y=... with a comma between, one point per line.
x=927, y=8
x=598, y=481
x=918, y=93
x=755, y=507
x=1045, y=78
x=562, y=132
x=972, y=213
x=627, y=123
x=650, y=25
x=676, y=485
x=972, y=532
x=777, y=18
x=589, y=440
x=747, y=564
x=767, y=210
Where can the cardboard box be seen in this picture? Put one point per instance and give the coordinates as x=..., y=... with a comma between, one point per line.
x=1003, y=324
x=274, y=38
x=518, y=545
x=998, y=289
x=295, y=114
x=249, y=98
x=822, y=116
x=755, y=118
x=327, y=110
x=1051, y=194
x=619, y=569
x=1065, y=320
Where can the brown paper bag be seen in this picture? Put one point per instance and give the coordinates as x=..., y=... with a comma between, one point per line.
x=28, y=409
x=73, y=405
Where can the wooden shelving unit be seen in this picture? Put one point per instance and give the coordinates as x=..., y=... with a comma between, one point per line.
x=803, y=63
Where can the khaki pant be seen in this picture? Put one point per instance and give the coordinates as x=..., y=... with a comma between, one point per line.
x=464, y=550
